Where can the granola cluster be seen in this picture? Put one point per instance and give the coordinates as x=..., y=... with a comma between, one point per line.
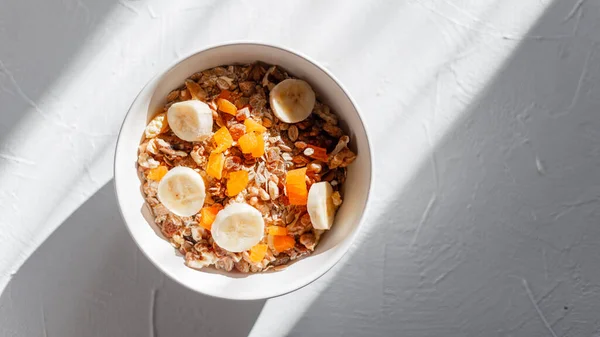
x=317, y=144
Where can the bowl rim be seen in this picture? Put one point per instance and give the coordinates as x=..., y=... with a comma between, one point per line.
x=347, y=242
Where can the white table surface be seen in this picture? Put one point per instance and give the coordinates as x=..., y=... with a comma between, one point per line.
x=485, y=121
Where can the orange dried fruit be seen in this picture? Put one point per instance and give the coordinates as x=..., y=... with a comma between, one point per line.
x=254, y=126
x=208, y=215
x=214, y=168
x=295, y=186
x=259, y=150
x=248, y=142
x=257, y=253
x=223, y=139
x=252, y=143
x=277, y=230
x=237, y=182
x=226, y=106
x=281, y=243
x=225, y=94
x=157, y=173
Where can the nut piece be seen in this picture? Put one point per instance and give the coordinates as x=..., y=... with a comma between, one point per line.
x=293, y=133
x=237, y=130
x=333, y=130
x=342, y=159
x=336, y=198
x=145, y=161
x=247, y=88
x=324, y=112
x=342, y=143
x=157, y=125
x=300, y=145
x=308, y=240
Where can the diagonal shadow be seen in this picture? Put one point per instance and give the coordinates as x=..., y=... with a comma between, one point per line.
x=503, y=241
x=44, y=37
x=88, y=278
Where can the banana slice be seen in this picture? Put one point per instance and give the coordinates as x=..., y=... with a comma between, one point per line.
x=320, y=205
x=182, y=191
x=292, y=100
x=190, y=120
x=238, y=227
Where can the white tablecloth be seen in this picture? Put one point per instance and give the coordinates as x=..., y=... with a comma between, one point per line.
x=485, y=119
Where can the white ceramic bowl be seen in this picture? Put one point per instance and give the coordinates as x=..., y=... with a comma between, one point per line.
x=236, y=285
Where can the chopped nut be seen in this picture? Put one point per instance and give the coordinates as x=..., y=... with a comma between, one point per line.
x=342, y=159
x=157, y=125
x=333, y=130
x=267, y=123
x=300, y=160
x=324, y=112
x=308, y=240
x=300, y=145
x=342, y=143
x=293, y=133
x=237, y=130
x=173, y=95
x=242, y=114
x=336, y=198
x=145, y=161
x=184, y=95
x=247, y=88
x=224, y=82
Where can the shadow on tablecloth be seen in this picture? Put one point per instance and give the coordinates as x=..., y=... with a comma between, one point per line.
x=88, y=278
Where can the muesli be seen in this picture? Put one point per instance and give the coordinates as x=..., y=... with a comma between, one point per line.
x=242, y=168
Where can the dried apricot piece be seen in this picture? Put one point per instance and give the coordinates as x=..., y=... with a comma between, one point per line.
x=223, y=139
x=295, y=186
x=237, y=182
x=254, y=126
x=214, y=168
x=252, y=143
x=248, y=142
x=226, y=106
x=282, y=243
x=208, y=215
x=277, y=230
x=259, y=150
x=225, y=94
x=157, y=173
x=257, y=253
